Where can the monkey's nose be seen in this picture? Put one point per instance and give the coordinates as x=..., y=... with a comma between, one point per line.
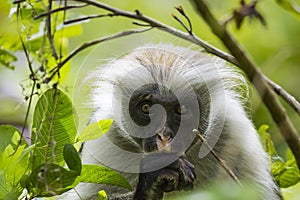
x=165, y=135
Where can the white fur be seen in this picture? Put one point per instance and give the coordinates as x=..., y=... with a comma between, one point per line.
x=178, y=68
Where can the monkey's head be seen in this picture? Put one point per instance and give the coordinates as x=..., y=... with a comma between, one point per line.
x=159, y=109
x=158, y=94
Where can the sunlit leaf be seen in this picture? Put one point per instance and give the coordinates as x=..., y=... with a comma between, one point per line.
x=102, y=175
x=102, y=195
x=13, y=162
x=266, y=141
x=290, y=176
x=95, y=130
x=53, y=126
x=286, y=173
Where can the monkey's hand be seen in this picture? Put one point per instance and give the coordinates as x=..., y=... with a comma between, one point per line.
x=179, y=175
x=186, y=173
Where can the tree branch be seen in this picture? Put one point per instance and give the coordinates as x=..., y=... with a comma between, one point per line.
x=285, y=95
x=247, y=65
x=56, y=69
x=49, y=31
x=44, y=14
x=156, y=24
x=194, y=39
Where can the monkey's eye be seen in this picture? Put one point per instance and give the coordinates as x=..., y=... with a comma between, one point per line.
x=145, y=108
x=181, y=110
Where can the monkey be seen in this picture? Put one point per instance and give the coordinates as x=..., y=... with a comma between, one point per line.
x=157, y=94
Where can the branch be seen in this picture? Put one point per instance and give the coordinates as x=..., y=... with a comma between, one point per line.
x=156, y=24
x=247, y=65
x=86, y=18
x=56, y=69
x=49, y=31
x=220, y=160
x=292, y=101
x=194, y=39
x=44, y=14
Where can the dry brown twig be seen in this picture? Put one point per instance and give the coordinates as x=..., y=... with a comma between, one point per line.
x=56, y=69
x=220, y=160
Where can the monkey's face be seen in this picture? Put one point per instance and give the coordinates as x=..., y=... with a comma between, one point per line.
x=157, y=105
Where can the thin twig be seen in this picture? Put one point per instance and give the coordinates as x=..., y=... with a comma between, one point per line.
x=56, y=69
x=33, y=78
x=140, y=24
x=181, y=23
x=49, y=31
x=285, y=95
x=181, y=11
x=44, y=14
x=269, y=98
x=220, y=160
x=87, y=18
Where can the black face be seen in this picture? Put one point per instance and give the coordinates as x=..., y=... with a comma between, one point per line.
x=141, y=112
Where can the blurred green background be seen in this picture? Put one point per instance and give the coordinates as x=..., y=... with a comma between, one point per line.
x=275, y=48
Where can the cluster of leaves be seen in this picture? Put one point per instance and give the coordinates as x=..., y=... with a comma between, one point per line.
x=286, y=173
x=50, y=165
x=28, y=29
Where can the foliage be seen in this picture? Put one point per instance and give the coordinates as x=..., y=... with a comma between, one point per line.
x=53, y=135
x=14, y=159
x=51, y=165
x=286, y=173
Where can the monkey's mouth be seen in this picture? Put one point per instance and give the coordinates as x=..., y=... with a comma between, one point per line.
x=157, y=143
x=163, y=143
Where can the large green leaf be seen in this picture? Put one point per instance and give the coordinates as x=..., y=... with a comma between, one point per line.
x=53, y=126
x=95, y=130
x=13, y=162
x=102, y=175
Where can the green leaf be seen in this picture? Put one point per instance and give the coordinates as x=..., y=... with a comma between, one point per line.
x=72, y=158
x=13, y=161
x=289, y=176
x=286, y=173
x=95, y=130
x=289, y=6
x=266, y=141
x=49, y=179
x=6, y=58
x=102, y=195
x=53, y=126
x=102, y=175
